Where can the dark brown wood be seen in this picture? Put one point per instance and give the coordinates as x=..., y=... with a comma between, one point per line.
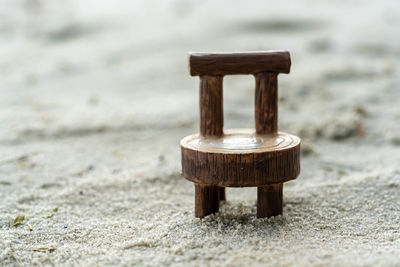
x=222, y=196
x=206, y=200
x=224, y=167
x=211, y=106
x=269, y=200
x=266, y=103
x=261, y=157
x=239, y=63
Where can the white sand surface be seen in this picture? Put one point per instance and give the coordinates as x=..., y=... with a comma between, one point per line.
x=95, y=96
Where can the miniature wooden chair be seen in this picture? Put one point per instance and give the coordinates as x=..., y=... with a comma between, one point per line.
x=264, y=157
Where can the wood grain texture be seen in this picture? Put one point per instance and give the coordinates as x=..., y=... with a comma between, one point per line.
x=239, y=63
x=266, y=102
x=263, y=158
x=211, y=106
x=269, y=200
x=238, y=169
x=206, y=200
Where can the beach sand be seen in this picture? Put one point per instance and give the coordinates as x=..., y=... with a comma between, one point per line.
x=95, y=96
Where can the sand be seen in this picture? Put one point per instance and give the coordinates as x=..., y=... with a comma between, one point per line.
x=95, y=96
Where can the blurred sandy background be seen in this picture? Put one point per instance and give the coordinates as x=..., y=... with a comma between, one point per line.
x=95, y=96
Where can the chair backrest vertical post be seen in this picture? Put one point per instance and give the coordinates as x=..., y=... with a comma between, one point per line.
x=211, y=105
x=266, y=103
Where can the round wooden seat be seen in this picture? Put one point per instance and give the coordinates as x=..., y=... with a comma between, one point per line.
x=240, y=158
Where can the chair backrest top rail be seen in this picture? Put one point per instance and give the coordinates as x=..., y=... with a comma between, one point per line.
x=239, y=63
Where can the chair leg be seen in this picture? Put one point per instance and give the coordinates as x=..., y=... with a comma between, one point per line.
x=222, y=193
x=206, y=200
x=269, y=200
